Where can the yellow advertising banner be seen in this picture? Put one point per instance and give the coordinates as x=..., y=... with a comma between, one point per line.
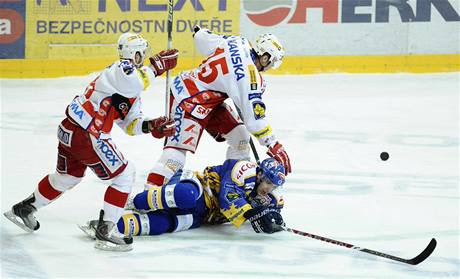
x=89, y=29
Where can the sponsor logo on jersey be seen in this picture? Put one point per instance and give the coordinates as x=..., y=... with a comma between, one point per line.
x=108, y=155
x=178, y=114
x=232, y=196
x=64, y=136
x=243, y=168
x=76, y=109
x=201, y=112
x=259, y=109
x=178, y=85
x=237, y=62
x=78, y=113
x=252, y=74
x=255, y=96
x=263, y=133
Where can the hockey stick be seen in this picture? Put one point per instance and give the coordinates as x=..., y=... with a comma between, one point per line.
x=251, y=142
x=414, y=261
x=169, y=29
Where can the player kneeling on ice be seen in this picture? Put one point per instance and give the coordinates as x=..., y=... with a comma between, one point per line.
x=85, y=141
x=232, y=70
x=233, y=192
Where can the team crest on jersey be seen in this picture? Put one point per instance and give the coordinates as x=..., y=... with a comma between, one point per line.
x=259, y=110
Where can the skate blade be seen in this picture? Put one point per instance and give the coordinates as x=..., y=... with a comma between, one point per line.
x=108, y=246
x=88, y=230
x=16, y=220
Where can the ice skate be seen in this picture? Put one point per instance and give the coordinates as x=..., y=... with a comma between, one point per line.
x=22, y=214
x=90, y=228
x=108, y=238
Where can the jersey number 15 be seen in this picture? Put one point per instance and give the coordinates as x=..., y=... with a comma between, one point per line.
x=209, y=67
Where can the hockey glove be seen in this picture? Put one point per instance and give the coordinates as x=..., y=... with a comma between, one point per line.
x=164, y=61
x=277, y=152
x=279, y=222
x=264, y=219
x=162, y=127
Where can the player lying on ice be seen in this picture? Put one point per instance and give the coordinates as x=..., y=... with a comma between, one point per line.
x=234, y=192
x=85, y=140
x=232, y=70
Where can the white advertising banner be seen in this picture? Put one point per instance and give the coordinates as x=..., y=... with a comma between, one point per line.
x=356, y=27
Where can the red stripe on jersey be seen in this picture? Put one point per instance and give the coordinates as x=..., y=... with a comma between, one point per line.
x=188, y=140
x=191, y=86
x=189, y=128
x=46, y=190
x=115, y=197
x=89, y=108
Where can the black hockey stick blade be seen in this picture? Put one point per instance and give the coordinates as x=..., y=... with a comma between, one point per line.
x=418, y=259
x=425, y=253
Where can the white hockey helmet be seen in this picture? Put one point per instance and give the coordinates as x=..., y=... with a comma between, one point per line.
x=268, y=43
x=129, y=44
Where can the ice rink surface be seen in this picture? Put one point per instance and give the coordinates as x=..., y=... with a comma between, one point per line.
x=333, y=126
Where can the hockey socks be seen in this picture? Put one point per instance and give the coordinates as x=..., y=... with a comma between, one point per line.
x=153, y=223
x=114, y=203
x=45, y=193
x=182, y=195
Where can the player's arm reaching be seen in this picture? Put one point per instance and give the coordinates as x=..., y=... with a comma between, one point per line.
x=125, y=78
x=134, y=122
x=253, y=111
x=266, y=53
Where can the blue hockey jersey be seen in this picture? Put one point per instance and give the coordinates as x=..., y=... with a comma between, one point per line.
x=229, y=192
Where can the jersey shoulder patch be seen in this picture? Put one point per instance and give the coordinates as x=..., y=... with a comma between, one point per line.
x=258, y=108
x=243, y=170
x=126, y=66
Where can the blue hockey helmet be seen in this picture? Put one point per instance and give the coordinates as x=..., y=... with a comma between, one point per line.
x=273, y=171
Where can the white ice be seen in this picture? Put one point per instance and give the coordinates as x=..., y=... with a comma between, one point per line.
x=333, y=126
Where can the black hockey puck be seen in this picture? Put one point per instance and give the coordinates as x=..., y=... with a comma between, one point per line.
x=384, y=156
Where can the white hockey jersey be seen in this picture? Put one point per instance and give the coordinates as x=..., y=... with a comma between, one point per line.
x=227, y=72
x=114, y=96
